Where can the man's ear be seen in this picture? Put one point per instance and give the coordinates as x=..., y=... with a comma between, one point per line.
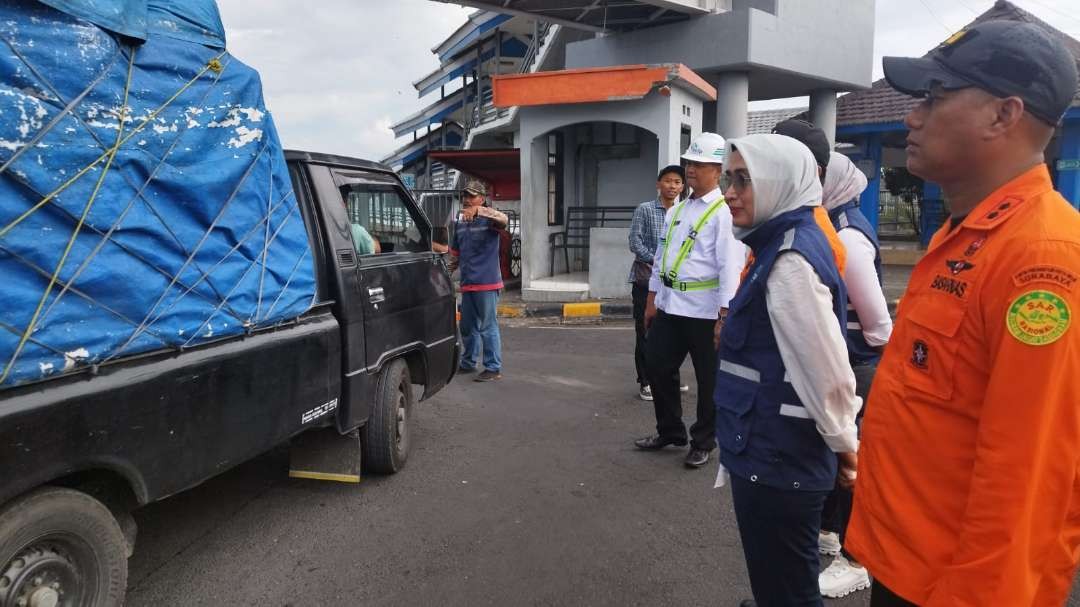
x=1008, y=114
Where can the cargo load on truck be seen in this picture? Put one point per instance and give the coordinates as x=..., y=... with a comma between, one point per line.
x=145, y=203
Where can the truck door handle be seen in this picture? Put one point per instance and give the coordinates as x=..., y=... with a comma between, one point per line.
x=376, y=295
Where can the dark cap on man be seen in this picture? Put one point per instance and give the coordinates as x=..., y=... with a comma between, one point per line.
x=475, y=188
x=1003, y=58
x=809, y=135
x=674, y=168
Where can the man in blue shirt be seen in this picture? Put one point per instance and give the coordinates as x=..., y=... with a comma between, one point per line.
x=475, y=249
x=646, y=230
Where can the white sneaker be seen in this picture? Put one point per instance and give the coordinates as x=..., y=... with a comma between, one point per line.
x=841, y=578
x=828, y=542
x=645, y=393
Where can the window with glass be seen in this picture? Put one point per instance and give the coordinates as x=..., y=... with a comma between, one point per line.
x=381, y=221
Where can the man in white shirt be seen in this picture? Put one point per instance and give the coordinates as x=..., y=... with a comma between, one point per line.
x=695, y=274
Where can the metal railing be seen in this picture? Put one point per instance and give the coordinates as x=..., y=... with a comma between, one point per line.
x=440, y=205
x=486, y=110
x=573, y=239
x=897, y=216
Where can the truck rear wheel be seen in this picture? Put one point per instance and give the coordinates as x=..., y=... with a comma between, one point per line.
x=61, y=547
x=386, y=435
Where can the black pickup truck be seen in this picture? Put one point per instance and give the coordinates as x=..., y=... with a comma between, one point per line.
x=80, y=451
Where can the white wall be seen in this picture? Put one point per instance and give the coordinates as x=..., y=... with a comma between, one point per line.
x=657, y=114
x=629, y=182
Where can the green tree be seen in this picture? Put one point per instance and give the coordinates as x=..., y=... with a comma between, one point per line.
x=900, y=182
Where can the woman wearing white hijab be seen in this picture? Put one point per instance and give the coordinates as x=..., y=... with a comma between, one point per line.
x=868, y=329
x=785, y=393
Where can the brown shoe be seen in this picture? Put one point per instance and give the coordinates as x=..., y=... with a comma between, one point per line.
x=488, y=376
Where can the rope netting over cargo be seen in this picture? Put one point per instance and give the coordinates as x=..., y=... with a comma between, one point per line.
x=145, y=203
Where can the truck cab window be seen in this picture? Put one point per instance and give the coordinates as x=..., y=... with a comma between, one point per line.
x=381, y=221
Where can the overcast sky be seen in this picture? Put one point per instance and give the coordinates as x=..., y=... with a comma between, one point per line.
x=338, y=73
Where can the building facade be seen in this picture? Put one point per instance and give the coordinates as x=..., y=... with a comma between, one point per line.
x=590, y=99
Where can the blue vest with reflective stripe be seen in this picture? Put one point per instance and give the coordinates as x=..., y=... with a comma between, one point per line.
x=765, y=434
x=850, y=216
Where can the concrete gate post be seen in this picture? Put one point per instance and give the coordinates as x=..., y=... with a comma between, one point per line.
x=732, y=97
x=823, y=112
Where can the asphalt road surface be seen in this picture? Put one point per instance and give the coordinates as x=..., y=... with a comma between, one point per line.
x=522, y=492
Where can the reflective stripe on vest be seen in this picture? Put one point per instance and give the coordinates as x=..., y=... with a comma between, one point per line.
x=670, y=277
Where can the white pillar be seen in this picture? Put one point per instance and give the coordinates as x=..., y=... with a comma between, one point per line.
x=732, y=97
x=535, y=252
x=823, y=112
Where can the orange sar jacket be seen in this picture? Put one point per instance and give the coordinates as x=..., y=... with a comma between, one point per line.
x=968, y=493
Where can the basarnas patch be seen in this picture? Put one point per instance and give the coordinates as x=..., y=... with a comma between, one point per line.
x=1038, y=318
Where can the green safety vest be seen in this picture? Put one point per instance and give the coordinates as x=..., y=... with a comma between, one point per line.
x=671, y=277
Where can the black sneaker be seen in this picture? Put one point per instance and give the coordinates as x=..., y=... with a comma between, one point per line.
x=466, y=370
x=488, y=376
x=655, y=442
x=697, y=458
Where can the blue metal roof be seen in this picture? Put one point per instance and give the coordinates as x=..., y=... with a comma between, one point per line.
x=492, y=21
x=453, y=139
x=439, y=111
x=511, y=47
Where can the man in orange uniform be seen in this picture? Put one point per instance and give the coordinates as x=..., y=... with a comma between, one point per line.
x=968, y=491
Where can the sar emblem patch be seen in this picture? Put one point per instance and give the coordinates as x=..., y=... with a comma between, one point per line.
x=1038, y=318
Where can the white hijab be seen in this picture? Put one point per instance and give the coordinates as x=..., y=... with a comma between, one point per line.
x=843, y=181
x=783, y=174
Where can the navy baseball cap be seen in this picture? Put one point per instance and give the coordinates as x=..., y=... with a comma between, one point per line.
x=1003, y=58
x=809, y=135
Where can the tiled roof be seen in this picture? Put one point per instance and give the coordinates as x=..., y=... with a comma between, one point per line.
x=763, y=121
x=881, y=103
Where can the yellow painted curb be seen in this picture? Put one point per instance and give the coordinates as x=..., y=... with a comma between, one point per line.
x=578, y=310
x=508, y=311
x=325, y=476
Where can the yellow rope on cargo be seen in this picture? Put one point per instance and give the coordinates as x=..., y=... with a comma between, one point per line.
x=212, y=65
x=108, y=156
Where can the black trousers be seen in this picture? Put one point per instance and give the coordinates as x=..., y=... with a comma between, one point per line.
x=837, y=511
x=669, y=340
x=880, y=596
x=779, y=532
x=640, y=295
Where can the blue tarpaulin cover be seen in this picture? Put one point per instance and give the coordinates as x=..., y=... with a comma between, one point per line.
x=145, y=203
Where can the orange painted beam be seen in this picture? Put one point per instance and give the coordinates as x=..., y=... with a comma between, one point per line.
x=589, y=85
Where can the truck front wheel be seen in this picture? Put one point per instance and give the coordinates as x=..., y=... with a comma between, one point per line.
x=61, y=547
x=386, y=435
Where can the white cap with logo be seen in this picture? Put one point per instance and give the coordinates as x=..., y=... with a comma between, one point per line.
x=706, y=147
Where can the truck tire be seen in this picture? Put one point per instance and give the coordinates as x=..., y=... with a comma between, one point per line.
x=386, y=434
x=61, y=547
